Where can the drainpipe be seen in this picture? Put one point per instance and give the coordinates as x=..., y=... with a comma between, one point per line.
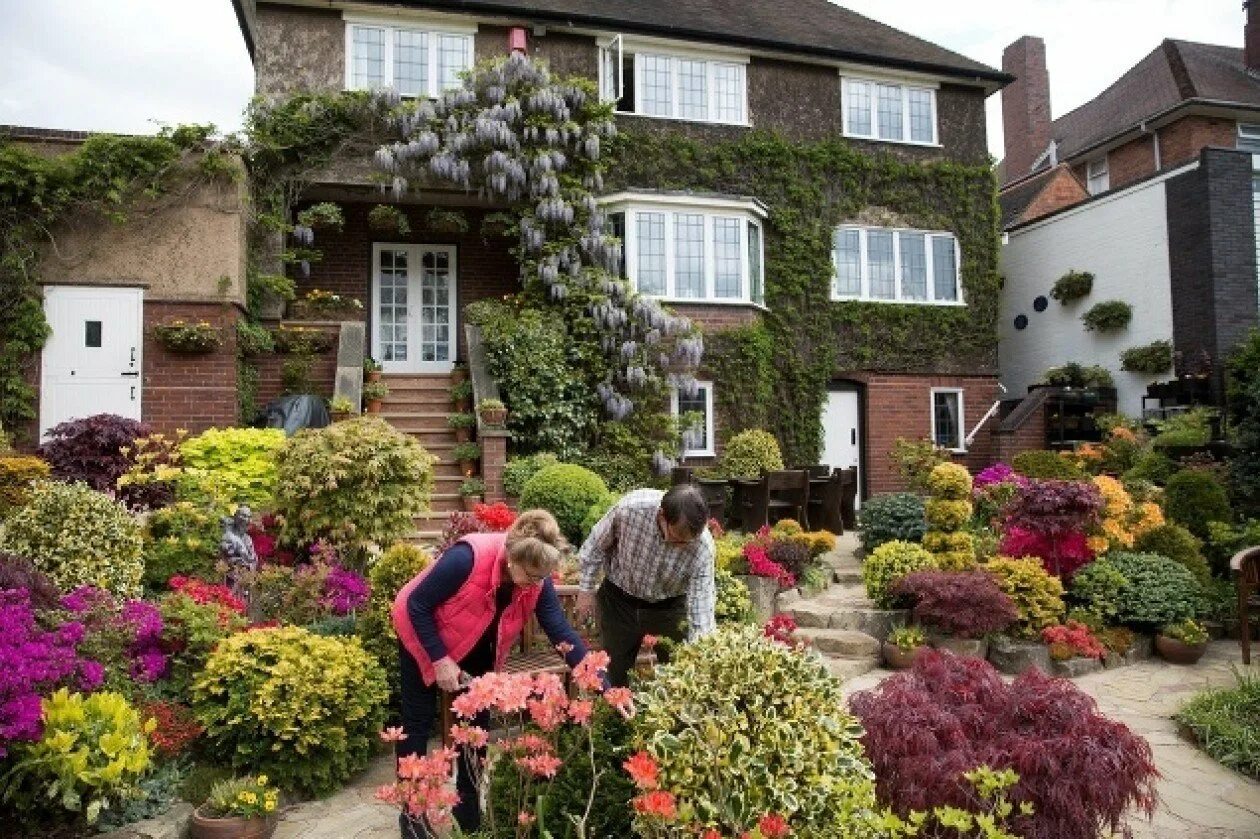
x=516, y=40
x=1154, y=144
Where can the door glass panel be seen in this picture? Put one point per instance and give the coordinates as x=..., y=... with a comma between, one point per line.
x=392, y=314
x=92, y=333
x=435, y=309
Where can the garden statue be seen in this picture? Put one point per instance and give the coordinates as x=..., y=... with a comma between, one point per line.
x=237, y=549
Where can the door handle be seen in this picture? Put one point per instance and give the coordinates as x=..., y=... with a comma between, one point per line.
x=853, y=436
x=132, y=373
x=133, y=393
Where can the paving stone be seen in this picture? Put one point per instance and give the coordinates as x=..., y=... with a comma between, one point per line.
x=785, y=599
x=876, y=623
x=810, y=613
x=1076, y=667
x=842, y=642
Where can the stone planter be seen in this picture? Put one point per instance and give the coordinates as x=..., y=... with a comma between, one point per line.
x=234, y=827
x=1176, y=652
x=898, y=659
x=494, y=416
x=1014, y=656
x=971, y=647
x=1074, y=667
x=762, y=591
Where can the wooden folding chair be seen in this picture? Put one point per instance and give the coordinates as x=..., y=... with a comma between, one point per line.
x=1246, y=564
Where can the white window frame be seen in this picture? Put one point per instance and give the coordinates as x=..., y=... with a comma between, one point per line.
x=906, y=86
x=432, y=30
x=1097, y=175
x=710, y=449
x=747, y=211
x=673, y=54
x=1248, y=137
x=864, y=293
x=962, y=417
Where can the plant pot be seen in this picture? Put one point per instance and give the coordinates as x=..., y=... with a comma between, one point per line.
x=463, y=435
x=233, y=827
x=971, y=647
x=470, y=501
x=373, y=376
x=1178, y=653
x=898, y=659
x=373, y=406
x=494, y=416
x=340, y=416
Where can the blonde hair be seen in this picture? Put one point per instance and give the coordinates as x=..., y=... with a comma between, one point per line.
x=535, y=542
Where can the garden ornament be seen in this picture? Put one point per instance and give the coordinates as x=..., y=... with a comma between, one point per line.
x=236, y=546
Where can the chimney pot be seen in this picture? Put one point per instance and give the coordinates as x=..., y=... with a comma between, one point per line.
x=1025, y=105
x=1251, y=38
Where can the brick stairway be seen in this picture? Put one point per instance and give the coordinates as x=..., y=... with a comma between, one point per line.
x=419, y=405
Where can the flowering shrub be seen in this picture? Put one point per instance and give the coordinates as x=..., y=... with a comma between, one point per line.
x=93, y=752
x=1076, y=637
x=759, y=564
x=998, y=473
x=781, y=629
x=889, y=563
x=191, y=630
x=344, y=590
x=126, y=638
x=302, y=708
x=1122, y=519
x=175, y=728
x=77, y=536
x=966, y=604
x=1038, y=596
x=248, y=797
x=34, y=661
x=264, y=533
x=204, y=593
x=926, y=727
x=729, y=751
x=17, y=475
x=90, y=450
x=888, y=518
x=496, y=517
x=180, y=540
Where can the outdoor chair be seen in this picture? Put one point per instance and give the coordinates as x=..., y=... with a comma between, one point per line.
x=848, y=496
x=824, y=503
x=1246, y=564
x=778, y=495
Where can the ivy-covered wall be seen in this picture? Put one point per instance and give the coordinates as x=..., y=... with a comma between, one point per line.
x=806, y=340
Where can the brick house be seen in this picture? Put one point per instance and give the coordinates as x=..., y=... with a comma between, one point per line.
x=807, y=71
x=1151, y=187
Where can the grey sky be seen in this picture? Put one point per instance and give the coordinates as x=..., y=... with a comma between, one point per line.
x=122, y=65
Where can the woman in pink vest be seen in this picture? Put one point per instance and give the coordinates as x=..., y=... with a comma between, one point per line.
x=462, y=614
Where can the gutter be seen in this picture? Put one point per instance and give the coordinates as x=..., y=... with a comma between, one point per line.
x=245, y=20
x=1156, y=121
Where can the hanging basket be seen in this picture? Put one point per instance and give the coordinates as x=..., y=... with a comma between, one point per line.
x=189, y=338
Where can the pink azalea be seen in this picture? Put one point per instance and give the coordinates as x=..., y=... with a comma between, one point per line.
x=580, y=711
x=619, y=698
x=469, y=735
x=394, y=735
x=544, y=765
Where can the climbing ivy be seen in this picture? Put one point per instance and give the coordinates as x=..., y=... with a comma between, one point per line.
x=809, y=188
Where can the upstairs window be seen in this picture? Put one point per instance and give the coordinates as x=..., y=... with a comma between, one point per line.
x=696, y=88
x=1097, y=179
x=416, y=62
x=895, y=266
x=896, y=113
x=1249, y=137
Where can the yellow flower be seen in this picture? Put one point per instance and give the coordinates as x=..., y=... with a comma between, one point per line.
x=262, y=780
x=269, y=806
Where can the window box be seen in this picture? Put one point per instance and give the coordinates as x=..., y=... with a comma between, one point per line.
x=889, y=111
x=689, y=249
x=702, y=445
x=655, y=81
x=417, y=60
x=887, y=265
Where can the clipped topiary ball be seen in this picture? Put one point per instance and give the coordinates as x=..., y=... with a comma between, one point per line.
x=939, y=542
x=568, y=492
x=947, y=516
x=949, y=482
x=889, y=563
x=749, y=453
x=78, y=537
x=1194, y=497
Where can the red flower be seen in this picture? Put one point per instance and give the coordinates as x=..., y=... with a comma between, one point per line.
x=658, y=804
x=780, y=629
x=650, y=641
x=176, y=726
x=773, y=826
x=643, y=770
x=497, y=517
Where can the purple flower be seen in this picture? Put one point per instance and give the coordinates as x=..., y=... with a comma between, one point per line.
x=998, y=473
x=344, y=590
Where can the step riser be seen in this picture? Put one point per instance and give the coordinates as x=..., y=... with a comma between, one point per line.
x=434, y=383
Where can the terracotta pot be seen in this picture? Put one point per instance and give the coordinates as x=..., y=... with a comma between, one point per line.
x=973, y=647
x=374, y=406
x=1178, y=653
x=459, y=374
x=898, y=659
x=470, y=501
x=463, y=435
x=235, y=827
x=374, y=375
x=462, y=405
x=494, y=416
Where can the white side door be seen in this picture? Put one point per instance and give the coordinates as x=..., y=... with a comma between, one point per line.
x=413, y=319
x=842, y=432
x=92, y=361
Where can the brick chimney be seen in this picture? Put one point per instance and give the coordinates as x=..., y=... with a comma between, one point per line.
x=1025, y=105
x=1251, y=38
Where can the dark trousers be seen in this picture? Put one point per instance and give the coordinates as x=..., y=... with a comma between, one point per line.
x=625, y=619
x=419, y=712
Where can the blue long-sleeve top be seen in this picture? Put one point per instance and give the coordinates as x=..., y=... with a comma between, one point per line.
x=452, y=570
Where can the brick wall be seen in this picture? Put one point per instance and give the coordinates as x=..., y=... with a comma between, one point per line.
x=715, y=318
x=1182, y=141
x=323, y=373
x=181, y=390
x=1131, y=162
x=1062, y=190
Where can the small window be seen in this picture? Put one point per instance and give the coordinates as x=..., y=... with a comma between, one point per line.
x=1249, y=137
x=697, y=440
x=947, y=418
x=617, y=227
x=414, y=62
x=896, y=113
x=1097, y=179
x=757, y=290
x=92, y=334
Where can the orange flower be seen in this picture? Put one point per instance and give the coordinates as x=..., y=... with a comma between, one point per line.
x=658, y=804
x=643, y=770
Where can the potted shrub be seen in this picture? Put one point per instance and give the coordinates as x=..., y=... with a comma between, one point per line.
x=492, y=412
x=461, y=395
x=467, y=454
x=371, y=369
x=462, y=425
x=321, y=305
x=341, y=408
x=902, y=646
x=1183, y=642
x=471, y=491
x=444, y=220
x=386, y=217
x=238, y=808
x=958, y=607
x=373, y=394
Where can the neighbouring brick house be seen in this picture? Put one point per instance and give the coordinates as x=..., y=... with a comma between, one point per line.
x=808, y=71
x=1151, y=187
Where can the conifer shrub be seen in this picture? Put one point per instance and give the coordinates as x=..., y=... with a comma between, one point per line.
x=899, y=516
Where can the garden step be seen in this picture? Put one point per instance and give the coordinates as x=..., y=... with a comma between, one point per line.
x=845, y=643
x=417, y=382
x=436, y=420
x=424, y=435
x=849, y=668
x=874, y=622
x=846, y=576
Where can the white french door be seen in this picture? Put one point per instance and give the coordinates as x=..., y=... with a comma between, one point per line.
x=92, y=361
x=413, y=294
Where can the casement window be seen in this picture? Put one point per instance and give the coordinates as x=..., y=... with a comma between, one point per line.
x=895, y=266
x=889, y=111
x=699, y=441
x=673, y=85
x=947, y=418
x=416, y=62
x=1097, y=179
x=690, y=250
x=1249, y=137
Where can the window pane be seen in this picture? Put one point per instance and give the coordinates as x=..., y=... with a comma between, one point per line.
x=948, y=423
x=913, y=266
x=756, y=280
x=879, y=255
x=628, y=81
x=617, y=227
x=889, y=107
x=846, y=253
x=728, y=89
x=726, y=258
x=698, y=404
x=693, y=92
x=857, y=97
x=392, y=306
x=944, y=268
x=654, y=85
x=411, y=63
x=369, y=57
x=921, y=115
x=651, y=235
x=688, y=255
x=452, y=60
x=607, y=74
x=1249, y=137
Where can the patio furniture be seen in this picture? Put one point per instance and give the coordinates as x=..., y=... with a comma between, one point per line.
x=848, y=496
x=778, y=495
x=825, y=495
x=715, y=493
x=822, y=470
x=1246, y=564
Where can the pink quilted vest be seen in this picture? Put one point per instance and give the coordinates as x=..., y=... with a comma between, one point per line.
x=463, y=618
